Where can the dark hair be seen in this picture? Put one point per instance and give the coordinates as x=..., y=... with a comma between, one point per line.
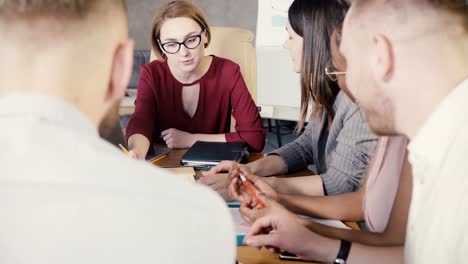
x=315, y=21
x=338, y=34
x=457, y=7
x=177, y=9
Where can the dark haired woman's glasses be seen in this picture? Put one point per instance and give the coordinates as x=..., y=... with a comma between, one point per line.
x=190, y=43
x=332, y=73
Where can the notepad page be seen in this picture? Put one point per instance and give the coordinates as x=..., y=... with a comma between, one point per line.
x=242, y=227
x=328, y=222
x=184, y=172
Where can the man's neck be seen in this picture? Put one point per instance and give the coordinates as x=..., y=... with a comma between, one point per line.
x=72, y=99
x=433, y=90
x=434, y=65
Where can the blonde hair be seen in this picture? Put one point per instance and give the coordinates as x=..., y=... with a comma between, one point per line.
x=55, y=9
x=455, y=7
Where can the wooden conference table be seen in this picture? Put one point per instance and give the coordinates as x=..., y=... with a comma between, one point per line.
x=245, y=255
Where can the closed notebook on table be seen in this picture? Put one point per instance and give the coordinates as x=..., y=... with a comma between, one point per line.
x=156, y=152
x=211, y=153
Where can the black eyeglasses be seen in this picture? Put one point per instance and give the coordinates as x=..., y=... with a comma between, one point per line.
x=173, y=47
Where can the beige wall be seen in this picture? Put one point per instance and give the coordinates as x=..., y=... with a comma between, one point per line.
x=232, y=13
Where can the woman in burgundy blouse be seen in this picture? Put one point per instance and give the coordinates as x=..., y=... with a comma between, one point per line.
x=188, y=96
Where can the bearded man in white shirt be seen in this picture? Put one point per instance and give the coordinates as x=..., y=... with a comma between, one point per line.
x=67, y=196
x=407, y=66
x=408, y=69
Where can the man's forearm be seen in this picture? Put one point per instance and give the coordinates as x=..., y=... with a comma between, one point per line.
x=362, y=237
x=326, y=250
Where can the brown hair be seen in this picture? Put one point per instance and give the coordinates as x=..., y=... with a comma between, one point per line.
x=315, y=21
x=55, y=9
x=458, y=7
x=176, y=9
x=338, y=34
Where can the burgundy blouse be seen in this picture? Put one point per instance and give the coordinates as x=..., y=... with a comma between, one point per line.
x=223, y=92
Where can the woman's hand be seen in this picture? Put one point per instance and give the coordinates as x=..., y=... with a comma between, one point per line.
x=177, y=139
x=239, y=192
x=133, y=153
x=138, y=146
x=229, y=167
x=251, y=212
x=278, y=229
x=219, y=178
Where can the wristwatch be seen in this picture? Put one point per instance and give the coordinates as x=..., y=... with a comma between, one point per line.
x=343, y=253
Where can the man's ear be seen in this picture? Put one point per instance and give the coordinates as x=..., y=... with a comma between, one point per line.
x=382, y=58
x=121, y=72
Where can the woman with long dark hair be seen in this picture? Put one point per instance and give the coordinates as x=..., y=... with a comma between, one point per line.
x=382, y=203
x=337, y=139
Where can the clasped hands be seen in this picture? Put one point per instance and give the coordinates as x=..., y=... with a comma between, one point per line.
x=224, y=178
x=272, y=225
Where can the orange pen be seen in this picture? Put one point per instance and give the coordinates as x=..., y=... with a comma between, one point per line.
x=252, y=191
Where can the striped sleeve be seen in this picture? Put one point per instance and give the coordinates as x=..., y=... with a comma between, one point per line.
x=350, y=157
x=298, y=154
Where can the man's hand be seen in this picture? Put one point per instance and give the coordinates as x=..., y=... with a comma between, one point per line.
x=279, y=230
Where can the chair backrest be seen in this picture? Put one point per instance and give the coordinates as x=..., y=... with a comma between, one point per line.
x=234, y=44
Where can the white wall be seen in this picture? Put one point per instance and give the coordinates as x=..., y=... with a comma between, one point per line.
x=278, y=84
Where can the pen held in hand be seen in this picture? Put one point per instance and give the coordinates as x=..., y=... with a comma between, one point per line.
x=250, y=188
x=123, y=148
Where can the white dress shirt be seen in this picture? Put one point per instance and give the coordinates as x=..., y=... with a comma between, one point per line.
x=438, y=219
x=67, y=196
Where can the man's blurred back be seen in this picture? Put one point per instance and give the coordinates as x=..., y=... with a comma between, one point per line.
x=407, y=67
x=67, y=196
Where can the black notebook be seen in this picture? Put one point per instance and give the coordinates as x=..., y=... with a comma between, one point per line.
x=208, y=154
x=156, y=152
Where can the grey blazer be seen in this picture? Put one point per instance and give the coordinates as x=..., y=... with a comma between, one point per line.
x=340, y=152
